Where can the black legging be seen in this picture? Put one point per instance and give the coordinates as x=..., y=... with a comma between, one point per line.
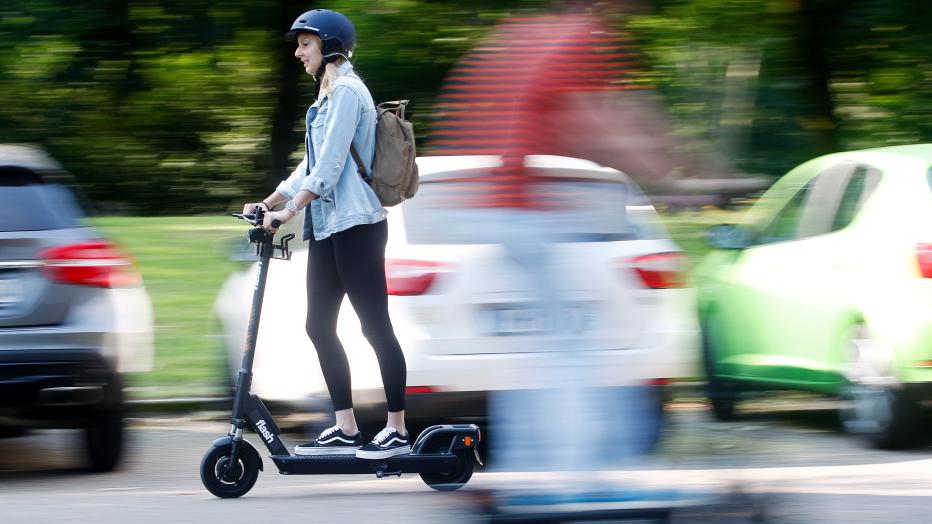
x=352, y=262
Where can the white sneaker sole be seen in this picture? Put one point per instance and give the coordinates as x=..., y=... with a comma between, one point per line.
x=401, y=450
x=325, y=451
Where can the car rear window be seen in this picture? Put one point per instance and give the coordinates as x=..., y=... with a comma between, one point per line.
x=589, y=211
x=34, y=207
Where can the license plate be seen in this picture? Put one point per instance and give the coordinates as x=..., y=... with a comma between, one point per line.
x=535, y=320
x=11, y=292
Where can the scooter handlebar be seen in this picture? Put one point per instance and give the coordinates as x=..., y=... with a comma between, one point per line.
x=252, y=218
x=256, y=218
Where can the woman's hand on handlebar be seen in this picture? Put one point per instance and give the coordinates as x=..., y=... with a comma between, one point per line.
x=249, y=209
x=282, y=217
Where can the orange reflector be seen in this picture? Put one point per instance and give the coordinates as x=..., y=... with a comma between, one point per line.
x=923, y=363
x=468, y=440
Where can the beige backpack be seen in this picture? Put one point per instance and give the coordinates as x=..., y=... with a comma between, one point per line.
x=394, y=175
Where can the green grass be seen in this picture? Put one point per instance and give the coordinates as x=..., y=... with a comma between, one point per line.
x=183, y=261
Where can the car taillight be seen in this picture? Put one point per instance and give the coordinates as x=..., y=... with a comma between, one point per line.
x=417, y=390
x=411, y=277
x=660, y=270
x=924, y=256
x=94, y=263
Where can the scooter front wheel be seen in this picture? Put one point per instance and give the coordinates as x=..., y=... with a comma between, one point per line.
x=227, y=480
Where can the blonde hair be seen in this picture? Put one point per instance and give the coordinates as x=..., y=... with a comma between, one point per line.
x=330, y=71
x=330, y=75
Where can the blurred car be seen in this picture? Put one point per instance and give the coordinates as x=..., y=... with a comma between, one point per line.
x=73, y=313
x=465, y=313
x=826, y=285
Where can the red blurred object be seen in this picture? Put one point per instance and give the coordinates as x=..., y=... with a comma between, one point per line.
x=502, y=97
x=93, y=263
x=419, y=389
x=661, y=270
x=411, y=277
x=924, y=257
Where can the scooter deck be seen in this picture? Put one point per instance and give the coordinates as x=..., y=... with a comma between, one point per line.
x=349, y=464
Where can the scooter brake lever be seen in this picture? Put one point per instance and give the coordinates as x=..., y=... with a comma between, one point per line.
x=251, y=218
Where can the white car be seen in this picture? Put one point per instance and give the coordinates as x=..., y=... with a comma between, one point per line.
x=467, y=316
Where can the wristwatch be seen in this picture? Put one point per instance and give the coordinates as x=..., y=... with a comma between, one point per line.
x=291, y=206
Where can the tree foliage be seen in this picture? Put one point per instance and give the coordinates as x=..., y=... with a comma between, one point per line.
x=773, y=82
x=161, y=106
x=179, y=106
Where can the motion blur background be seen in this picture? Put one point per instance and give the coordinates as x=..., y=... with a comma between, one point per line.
x=188, y=107
x=183, y=107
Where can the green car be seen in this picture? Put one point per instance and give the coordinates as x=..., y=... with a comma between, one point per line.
x=826, y=286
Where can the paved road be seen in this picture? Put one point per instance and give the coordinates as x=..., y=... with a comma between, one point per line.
x=792, y=451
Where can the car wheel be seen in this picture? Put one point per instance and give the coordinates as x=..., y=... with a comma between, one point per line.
x=103, y=436
x=652, y=419
x=875, y=407
x=104, y=441
x=722, y=395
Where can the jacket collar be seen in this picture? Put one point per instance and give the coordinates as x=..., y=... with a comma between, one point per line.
x=345, y=68
x=342, y=70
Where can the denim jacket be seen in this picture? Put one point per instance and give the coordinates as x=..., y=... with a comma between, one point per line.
x=333, y=122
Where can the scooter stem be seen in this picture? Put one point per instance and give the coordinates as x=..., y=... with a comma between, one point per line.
x=244, y=381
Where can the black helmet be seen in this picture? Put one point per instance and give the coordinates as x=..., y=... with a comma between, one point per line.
x=336, y=32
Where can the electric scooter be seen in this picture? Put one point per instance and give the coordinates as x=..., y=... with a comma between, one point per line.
x=444, y=455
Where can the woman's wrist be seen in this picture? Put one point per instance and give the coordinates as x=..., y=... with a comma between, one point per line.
x=268, y=206
x=292, y=207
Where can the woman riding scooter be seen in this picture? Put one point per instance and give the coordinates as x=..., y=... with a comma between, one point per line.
x=346, y=228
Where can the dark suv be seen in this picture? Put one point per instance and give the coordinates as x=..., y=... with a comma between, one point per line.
x=73, y=313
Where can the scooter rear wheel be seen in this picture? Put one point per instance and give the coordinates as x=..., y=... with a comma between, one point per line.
x=456, y=478
x=225, y=480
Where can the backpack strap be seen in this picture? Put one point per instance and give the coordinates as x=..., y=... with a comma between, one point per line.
x=360, y=167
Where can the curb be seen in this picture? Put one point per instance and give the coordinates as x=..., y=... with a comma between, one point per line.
x=180, y=404
x=225, y=403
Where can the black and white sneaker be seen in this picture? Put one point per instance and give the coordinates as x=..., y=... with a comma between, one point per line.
x=332, y=441
x=387, y=443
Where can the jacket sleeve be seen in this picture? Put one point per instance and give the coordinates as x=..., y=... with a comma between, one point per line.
x=340, y=126
x=291, y=185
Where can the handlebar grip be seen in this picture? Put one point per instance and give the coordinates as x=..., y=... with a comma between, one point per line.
x=276, y=223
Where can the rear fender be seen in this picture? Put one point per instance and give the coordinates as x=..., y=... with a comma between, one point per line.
x=447, y=437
